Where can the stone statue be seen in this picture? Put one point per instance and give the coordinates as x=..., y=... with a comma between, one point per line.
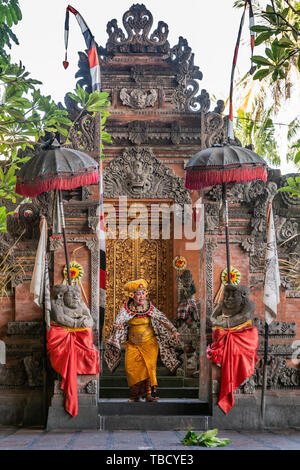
x=187, y=311
x=235, y=309
x=188, y=288
x=68, y=309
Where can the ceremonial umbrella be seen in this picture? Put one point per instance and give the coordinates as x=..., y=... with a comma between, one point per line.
x=222, y=164
x=56, y=168
x=227, y=163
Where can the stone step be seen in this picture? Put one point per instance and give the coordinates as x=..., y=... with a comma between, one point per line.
x=164, y=407
x=166, y=392
x=168, y=381
x=165, y=415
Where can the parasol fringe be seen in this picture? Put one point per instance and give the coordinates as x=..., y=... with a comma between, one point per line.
x=32, y=189
x=198, y=179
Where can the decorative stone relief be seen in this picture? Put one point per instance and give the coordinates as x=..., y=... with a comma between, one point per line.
x=138, y=98
x=210, y=246
x=92, y=244
x=255, y=195
x=31, y=328
x=276, y=328
x=137, y=173
x=12, y=376
x=137, y=22
x=137, y=73
x=25, y=222
x=91, y=387
x=34, y=370
x=279, y=376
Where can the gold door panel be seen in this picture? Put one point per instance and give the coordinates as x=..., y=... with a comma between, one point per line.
x=129, y=259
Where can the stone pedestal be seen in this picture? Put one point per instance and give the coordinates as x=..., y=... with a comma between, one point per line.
x=87, y=417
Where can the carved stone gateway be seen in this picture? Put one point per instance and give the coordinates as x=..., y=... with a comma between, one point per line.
x=159, y=118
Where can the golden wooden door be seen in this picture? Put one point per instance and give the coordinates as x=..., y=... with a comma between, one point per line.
x=128, y=259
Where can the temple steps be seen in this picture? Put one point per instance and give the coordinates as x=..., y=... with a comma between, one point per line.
x=165, y=392
x=167, y=414
x=163, y=381
x=167, y=407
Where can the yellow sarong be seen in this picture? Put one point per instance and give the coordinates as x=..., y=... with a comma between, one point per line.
x=141, y=352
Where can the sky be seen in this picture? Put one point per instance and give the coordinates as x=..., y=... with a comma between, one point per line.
x=210, y=28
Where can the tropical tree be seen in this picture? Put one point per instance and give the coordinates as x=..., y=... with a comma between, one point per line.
x=25, y=114
x=260, y=131
x=277, y=69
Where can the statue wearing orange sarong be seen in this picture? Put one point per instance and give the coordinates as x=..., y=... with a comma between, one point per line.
x=70, y=341
x=235, y=342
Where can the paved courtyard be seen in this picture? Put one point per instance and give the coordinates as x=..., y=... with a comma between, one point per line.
x=13, y=438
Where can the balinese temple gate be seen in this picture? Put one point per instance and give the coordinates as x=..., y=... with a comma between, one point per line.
x=159, y=231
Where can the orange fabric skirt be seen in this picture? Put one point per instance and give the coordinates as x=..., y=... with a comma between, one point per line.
x=236, y=350
x=71, y=352
x=140, y=362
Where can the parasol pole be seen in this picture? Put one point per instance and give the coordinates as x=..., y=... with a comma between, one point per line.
x=224, y=190
x=63, y=228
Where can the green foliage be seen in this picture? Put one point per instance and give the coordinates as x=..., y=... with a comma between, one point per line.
x=96, y=102
x=25, y=114
x=279, y=30
x=10, y=14
x=294, y=143
x=207, y=439
x=3, y=215
x=258, y=129
x=293, y=186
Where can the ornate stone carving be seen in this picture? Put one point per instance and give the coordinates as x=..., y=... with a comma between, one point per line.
x=137, y=131
x=137, y=73
x=68, y=309
x=12, y=376
x=279, y=375
x=138, y=98
x=210, y=246
x=255, y=196
x=276, y=328
x=91, y=387
x=214, y=129
x=31, y=328
x=137, y=22
x=137, y=173
x=56, y=242
x=34, y=369
x=144, y=132
x=25, y=222
x=93, y=245
x=82, y=135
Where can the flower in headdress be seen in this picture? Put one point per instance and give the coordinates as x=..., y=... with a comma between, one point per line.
x=179, y=263
x=76, y=271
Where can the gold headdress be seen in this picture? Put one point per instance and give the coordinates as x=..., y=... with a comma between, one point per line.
x=131, y=286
